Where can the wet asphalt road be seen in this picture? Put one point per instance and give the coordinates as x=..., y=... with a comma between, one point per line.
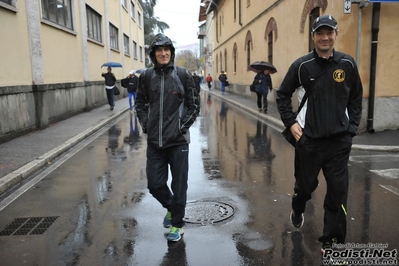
x=102, y=213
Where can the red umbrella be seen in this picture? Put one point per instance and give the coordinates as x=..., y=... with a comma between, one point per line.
x=259, y=66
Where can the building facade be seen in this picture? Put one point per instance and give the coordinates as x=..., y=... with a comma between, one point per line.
x=239, y=32
x=51, y=56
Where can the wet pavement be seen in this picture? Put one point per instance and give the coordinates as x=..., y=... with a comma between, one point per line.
x=241, y=174
x=23, y=156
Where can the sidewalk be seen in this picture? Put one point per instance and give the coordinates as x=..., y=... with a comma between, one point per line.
x=23, y=156
x=379, y=141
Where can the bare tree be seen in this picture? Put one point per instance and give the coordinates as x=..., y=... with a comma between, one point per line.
x=187, y=59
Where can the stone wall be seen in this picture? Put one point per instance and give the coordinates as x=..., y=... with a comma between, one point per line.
x=24, y=109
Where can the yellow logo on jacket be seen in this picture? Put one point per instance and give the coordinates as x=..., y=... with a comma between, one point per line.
x=339, y=75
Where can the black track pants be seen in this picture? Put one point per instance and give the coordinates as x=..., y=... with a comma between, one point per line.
x=173, y=199
x=332, y=157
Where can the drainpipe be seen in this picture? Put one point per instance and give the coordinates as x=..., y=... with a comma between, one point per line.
x=375, y=23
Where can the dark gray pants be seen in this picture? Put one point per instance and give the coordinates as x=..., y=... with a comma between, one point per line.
x=173, y=199
x=332, y=157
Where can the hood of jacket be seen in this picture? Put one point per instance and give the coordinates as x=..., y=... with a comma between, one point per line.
x=164, y=41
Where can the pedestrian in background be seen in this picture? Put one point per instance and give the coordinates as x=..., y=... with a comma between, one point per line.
x=167, y=106
x=131, y=83
x=209, y=81
x=324, y=127
x=197, y=82
x=222, y=79
x=109, y=86
x=263, y=83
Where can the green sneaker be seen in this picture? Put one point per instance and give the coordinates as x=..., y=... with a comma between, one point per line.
x=167, y=220
x=175, y=234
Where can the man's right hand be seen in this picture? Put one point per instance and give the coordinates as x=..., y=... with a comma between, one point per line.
x=296, y=131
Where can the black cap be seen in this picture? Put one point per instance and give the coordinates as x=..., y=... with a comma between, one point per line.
x=326, y=20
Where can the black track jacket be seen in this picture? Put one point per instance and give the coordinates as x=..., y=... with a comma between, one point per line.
x=334, y=106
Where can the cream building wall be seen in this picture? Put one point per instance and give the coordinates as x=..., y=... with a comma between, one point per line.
x=15, y=63
x=51, y=72
x=289, y=22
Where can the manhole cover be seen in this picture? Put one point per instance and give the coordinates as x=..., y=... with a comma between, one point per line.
x=207, y=212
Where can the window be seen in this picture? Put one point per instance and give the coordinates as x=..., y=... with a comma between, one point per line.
x=58, y=11
x=225, y=61
x=270, y=46
x=126, y=49
x=8, y=2
x=217, y=27
x=134, y=49
x=235, y=57
x=93, y=24
x=124, y=3
x=132, y=10
x=248, y=53
x=141, y=54
x=221, y=62
x=113, y=36
x=217, y=64
x=235, y=10
x=139, y=18
x=220, y=25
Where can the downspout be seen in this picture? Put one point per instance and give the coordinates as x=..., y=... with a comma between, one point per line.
x=375, y=23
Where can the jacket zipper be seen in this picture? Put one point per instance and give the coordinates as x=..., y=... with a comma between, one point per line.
x=160, y=142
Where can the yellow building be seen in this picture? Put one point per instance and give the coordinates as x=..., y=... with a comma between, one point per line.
x=51, y=57
x=239, y=32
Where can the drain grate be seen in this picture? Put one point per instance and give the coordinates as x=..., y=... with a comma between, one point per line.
x=28, y=226
x=207, y=212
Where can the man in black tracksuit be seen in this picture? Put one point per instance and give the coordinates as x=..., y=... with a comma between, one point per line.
x=167, y=106
x=324, y=126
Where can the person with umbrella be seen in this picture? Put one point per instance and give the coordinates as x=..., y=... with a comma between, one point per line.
x=109, y=86
x=262, y=83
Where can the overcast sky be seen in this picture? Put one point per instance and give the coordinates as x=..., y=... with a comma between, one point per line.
x=182, y=17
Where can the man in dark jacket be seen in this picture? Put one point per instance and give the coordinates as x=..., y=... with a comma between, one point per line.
x=131, y=82
x=324, y=126
x=167, y=106
x=197, y=82
x=222, y=79
x=109, y=86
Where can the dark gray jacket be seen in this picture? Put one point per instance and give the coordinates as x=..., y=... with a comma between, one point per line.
x=166, y=108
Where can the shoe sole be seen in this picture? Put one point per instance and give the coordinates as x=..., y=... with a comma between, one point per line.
x=174, y=239
x=303, y=220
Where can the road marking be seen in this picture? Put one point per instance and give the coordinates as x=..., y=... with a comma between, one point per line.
x=374, y=158
x=387, y=173
x=390, y=188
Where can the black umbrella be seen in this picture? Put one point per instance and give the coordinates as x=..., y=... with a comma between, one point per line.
x=111, y=64
x=259, y=66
